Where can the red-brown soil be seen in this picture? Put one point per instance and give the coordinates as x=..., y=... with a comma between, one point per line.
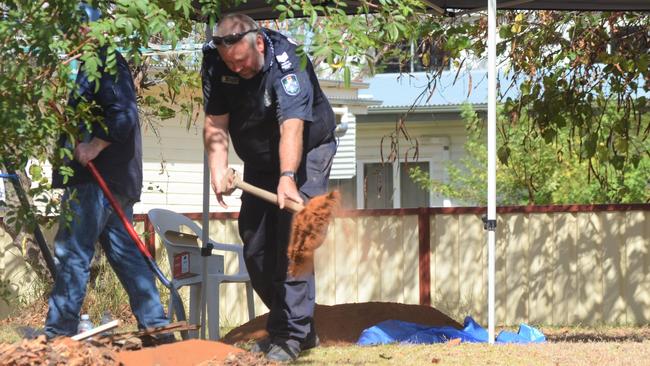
x=308, y=231
x=191, y=352
x=336, y=325
x=342, y=324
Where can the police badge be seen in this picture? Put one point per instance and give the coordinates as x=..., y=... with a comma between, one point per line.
x=290, y=84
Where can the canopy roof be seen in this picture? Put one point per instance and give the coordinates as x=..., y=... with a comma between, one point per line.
x=260, y=9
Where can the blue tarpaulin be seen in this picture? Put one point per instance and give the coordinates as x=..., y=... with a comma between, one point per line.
x=392, y=331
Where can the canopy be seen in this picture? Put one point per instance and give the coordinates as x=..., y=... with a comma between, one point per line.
x=260, y=9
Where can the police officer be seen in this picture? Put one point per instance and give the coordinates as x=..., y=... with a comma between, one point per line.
x=281, y=125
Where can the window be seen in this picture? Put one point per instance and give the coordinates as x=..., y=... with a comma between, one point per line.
x=378, y=185
x=411, y=195
x=389, y=186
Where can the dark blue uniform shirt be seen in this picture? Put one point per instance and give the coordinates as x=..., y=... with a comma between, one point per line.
x=120, y=164
x=281, y=90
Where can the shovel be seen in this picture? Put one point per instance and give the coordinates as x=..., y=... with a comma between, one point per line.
x=309, y=225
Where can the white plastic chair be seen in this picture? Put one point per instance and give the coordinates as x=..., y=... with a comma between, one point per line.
x=166, y=220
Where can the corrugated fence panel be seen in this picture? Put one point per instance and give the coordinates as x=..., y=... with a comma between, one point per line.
x=446, y=292
x=501, y=291
x=370, y=259
x=614, y=269
x=411, y=259
x=565, y=299
x=638, y=259
x=471, y=267
x=540, y=282
x=637, y=254
x=325, y=267
x=433, y=239
x=349, y=260
x=392, y=278
x=590, y=271
x=517, y=269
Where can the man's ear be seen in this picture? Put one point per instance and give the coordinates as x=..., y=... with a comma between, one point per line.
x=259, y=43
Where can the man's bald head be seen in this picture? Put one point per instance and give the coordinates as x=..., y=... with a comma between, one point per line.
x=237, y=23
x=240, y=45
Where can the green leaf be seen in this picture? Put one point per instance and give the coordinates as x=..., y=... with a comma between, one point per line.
x=503, y=153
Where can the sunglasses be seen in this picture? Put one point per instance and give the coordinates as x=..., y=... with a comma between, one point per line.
x=231, y=39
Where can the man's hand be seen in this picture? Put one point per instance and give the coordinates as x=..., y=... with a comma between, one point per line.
x=222, y=184
x=87, y=151
x=215, y=141
x=287, y=190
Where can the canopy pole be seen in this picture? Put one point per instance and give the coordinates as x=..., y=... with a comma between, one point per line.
x=205, y=239
x=491, y=188
x=205, y=225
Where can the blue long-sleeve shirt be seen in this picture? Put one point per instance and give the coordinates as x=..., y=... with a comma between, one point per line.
x=120, y=164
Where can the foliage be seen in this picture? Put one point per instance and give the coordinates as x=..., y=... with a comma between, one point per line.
x=584, y=84
x=536, y=172
x=580, y=79
x=41, y=41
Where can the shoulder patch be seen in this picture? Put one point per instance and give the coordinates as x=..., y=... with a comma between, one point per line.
x=283, y=60
x=290, y=84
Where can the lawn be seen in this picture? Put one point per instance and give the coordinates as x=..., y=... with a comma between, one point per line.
x=566, y=346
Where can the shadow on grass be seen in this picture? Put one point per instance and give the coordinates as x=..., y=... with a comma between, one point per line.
x=600, y=337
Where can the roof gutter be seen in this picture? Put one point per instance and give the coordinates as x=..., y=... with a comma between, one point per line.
x=479, y=107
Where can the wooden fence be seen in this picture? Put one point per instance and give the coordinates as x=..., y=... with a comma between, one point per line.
x=561, y=265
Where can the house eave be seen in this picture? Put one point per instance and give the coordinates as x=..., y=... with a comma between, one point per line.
x=447, y=108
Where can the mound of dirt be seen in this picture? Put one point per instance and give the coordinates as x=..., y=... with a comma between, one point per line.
x=342, y=324
x=191, y=352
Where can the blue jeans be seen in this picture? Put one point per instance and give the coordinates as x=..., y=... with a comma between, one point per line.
x=94, y=219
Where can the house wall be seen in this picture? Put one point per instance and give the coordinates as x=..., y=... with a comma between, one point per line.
x=438, y=142
x=173, y=168
x=173, y=157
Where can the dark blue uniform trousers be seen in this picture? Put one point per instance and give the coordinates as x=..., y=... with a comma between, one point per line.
x=265, y=229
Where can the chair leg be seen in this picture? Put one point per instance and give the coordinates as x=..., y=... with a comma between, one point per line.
x=170, y=310
x=250, y=300
x=195, y=307
x=212, y=289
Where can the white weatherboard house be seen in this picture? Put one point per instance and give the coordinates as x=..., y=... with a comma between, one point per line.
x=366, y=112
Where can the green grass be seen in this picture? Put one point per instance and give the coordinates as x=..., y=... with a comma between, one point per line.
x=632, y=347
x=588, y=354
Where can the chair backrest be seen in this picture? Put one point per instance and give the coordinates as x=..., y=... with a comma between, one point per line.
x=165, y=220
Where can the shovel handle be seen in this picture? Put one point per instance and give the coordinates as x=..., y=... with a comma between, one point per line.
x=237, y=182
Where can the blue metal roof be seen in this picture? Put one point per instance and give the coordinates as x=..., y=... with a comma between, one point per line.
x=402, y=90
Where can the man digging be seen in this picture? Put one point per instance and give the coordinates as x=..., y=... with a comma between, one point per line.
x=281, y=126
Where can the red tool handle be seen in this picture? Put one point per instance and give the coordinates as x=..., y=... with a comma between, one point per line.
x=116, y=206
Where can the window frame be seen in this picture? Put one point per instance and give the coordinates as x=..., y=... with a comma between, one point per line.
x=397, y=204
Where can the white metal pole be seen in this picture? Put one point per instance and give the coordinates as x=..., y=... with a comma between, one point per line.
x=205, y=239
x=205, y=223
x=491, y=188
